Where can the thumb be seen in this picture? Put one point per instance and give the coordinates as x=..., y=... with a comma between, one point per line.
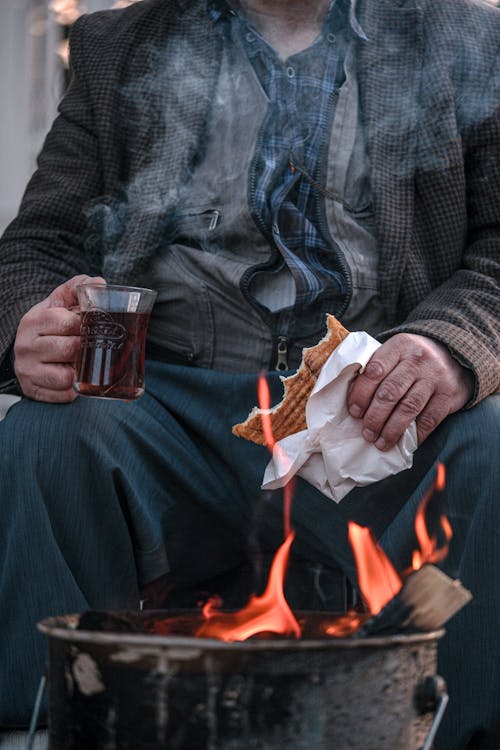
x=65, y=295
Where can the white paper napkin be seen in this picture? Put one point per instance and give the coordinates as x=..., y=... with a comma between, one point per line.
x=331, y=454
x=6, y=401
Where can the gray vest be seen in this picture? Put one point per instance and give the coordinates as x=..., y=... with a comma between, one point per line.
x=202, y=313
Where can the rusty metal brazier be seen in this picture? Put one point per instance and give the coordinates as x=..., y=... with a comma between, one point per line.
x=136, y=691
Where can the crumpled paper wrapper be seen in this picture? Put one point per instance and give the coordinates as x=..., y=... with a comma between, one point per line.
x=332, y=454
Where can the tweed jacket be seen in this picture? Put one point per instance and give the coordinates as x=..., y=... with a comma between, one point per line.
x=429, y=80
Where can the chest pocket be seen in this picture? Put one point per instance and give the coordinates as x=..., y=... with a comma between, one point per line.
x=197, y=227
x=182, y=319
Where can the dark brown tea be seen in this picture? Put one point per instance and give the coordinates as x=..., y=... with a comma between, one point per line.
x=112, y=353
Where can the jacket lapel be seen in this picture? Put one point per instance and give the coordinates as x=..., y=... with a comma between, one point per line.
x=389, y=81
x=165, y=97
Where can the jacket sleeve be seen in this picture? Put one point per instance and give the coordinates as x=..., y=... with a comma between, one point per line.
x=463, y=312
x=43, y=246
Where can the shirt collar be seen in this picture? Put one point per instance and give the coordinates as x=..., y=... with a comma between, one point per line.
x=353, y=21
x=219, y=10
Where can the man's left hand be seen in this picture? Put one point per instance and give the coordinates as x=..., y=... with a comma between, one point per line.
x=408, y=377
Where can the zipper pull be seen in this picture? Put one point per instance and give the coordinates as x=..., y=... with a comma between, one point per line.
x=214, y=220
x=281, y=360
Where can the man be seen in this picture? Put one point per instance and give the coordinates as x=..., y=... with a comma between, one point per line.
x=259, y=163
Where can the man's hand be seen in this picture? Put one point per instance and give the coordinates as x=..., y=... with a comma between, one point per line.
x=47, y=344
x=409, y=377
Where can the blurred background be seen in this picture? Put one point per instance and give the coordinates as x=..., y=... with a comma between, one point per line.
x=33, y=55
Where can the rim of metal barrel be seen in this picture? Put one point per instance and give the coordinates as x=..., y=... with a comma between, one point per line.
x=63, y=627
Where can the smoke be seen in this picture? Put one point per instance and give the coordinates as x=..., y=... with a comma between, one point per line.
x=433, y=80
x=424, y=111
x=163, y=110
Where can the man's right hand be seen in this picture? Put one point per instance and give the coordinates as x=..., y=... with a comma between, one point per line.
x=47, y=344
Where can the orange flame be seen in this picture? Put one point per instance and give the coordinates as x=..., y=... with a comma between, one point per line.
x=287, y=506
x=211, y=606
x=264, y=401
x=268, y=613
x=378, y=581
x=345, y=625
x=429, y=551
x=377, y=578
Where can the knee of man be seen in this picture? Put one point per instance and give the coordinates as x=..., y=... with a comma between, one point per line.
x=475, y=435
x=470, y=455
x=35, y=434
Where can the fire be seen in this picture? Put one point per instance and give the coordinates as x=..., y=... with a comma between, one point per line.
x=429, y=551
x=378, y=580
x=268, y=613
x=377, y=577
x=264, y=401
x=345, y=625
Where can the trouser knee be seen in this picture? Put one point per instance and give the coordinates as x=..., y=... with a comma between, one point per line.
x=48, y=441
x=470, y=451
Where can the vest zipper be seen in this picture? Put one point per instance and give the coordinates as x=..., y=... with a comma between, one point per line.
x=282, y=354
x=266, y=316
x=323, y=223
x=281, y=360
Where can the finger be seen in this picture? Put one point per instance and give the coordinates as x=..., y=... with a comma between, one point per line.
x=52, y=383
x=405, y=411
x=53, y=377
x=57, y=349
x=436, y=409
x=367, y=382
x=65, y=295
x=388, y=396
x=49, y=396
x=56, y=321
x=50, y=335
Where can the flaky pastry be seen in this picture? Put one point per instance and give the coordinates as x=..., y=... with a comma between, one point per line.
x=289, y=416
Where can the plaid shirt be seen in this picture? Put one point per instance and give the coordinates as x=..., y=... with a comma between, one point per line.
x=287, y=169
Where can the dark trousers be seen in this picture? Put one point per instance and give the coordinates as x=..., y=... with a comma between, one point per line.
x=101, y=497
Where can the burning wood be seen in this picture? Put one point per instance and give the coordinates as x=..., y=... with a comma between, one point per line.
x=428, y=598
x=432, y=598
x=426, y=601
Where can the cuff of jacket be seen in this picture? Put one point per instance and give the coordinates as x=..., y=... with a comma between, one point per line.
x=8, y=380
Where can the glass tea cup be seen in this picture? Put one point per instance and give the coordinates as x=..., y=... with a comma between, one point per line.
x=113, y=326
